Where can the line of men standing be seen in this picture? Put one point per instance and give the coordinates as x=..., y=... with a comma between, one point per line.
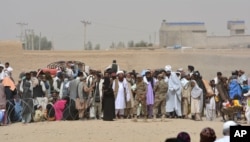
x=134, y=94
x=154, y=92
x=174, y=94
x=171, y=94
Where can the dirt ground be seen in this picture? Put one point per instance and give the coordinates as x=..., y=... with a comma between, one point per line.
x=98, y=130
x=207, y=61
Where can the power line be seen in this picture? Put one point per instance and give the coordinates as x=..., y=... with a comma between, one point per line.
x=22, y=36
x=29, y=39
x=123, y=28
x=134, y=30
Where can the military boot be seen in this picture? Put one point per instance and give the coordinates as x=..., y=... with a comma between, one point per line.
x=193, y=117
x=145, y=119
x=163, y=118
x=154, y=118
x=134, y=118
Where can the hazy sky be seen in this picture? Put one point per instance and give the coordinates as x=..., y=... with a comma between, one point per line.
x=114, y=20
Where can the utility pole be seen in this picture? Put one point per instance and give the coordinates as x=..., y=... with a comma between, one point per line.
x=155, y=39
x=27, y=43
x=22, y=35
x=150, y=39
x=32, y=39
x=85, y=23
x=29, y=39
x=39, y=43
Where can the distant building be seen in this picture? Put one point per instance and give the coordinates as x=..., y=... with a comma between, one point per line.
x=194, y=34
x=236, y=27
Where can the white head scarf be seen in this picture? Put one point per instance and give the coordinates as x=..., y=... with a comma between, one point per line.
x=168, y=68
x=196, y=91
x=184, y=82
x=120, y=72
x=1, y=65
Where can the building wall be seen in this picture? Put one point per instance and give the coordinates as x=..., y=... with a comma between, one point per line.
x=180, y=33
x=228, y=41
x=185, y=38
x=170, y=36
x=199, y=40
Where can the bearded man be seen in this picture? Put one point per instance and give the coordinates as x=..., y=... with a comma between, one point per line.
x=122, y=94
x=129, y=104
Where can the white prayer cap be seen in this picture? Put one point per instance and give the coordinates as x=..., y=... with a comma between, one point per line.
x=139, y=76
x=1, y=65
x=168, y=68
x=180, y=70
x=120, y=72
x=247, y=94
x=146, y=71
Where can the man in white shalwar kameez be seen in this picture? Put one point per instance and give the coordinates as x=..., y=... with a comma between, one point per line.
x=173, y=104
x=121, y=92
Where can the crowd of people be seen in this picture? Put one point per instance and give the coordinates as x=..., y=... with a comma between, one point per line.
x=74, y=94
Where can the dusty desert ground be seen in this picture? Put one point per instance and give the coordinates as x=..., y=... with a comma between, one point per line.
x=207, y=61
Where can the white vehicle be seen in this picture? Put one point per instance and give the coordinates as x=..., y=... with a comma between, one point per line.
x=178, y=46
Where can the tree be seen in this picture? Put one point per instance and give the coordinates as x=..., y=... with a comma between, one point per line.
x=141, y=44
x=89, y=46
x=97, y=47
x=44, y=43
x=121, y=45
x=150, y=44
x=131, y=43
x=112, y=46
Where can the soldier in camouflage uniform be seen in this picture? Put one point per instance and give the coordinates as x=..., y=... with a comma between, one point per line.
x=160, y=88
x=140, y=97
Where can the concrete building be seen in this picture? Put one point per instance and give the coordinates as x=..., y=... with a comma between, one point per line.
x=194, y=34
x=236, y=27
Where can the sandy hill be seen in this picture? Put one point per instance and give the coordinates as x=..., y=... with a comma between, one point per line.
x=10, y=47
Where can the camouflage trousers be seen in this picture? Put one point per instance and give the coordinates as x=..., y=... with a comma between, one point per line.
x=140, y=104
x=160, y=101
